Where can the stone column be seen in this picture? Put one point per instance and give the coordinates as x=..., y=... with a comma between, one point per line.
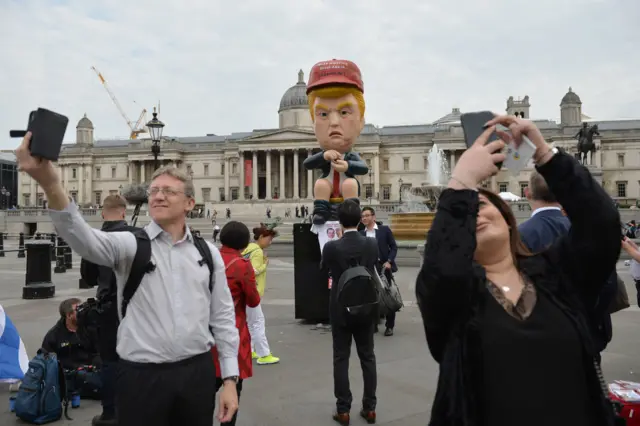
x=131, y=167
x=254, y=178
x=376, y=174
x=65, y=178
x=241, y=168
x=309, y=178
x=142, y=174
x=281, y=184
x=90, y=183
x=227, y=163
x=296, y=175
x=33, y=191
x=452, y=155
x=268, y=185
x=80, y=184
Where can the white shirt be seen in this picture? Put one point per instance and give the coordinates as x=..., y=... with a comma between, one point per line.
x=169, y=316
x=542, y=209
x=371, y=232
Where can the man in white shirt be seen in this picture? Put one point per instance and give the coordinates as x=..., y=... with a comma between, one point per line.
x=167, y=375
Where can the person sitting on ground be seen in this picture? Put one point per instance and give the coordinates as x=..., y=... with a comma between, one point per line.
x=242, y=284
x=73, y=350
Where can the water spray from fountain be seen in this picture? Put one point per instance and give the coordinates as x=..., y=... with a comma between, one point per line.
x=425, y=198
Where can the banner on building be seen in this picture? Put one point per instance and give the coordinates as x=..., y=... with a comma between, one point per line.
x=248, y=172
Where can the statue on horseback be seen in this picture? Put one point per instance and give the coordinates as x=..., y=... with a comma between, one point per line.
x=586, y=146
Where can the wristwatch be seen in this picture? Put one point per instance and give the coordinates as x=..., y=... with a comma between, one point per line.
x=550, y=153
x=232, y=378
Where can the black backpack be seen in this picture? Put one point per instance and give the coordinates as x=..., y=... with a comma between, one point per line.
x=358, y=292
x=142, y=264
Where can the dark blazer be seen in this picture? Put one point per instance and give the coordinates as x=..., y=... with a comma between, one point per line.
x=335, y=259
x=387, y=247
x=544, y=228
x=356, y=165
x=450, y=287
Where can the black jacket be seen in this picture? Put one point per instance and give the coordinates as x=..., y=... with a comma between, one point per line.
x=103, y=276
x=335, y=259
x=571, y=273
x=356, y=165
x=73, y=349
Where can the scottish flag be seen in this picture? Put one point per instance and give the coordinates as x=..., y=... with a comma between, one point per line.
x=13, y=356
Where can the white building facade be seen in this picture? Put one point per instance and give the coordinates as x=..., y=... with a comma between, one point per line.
x=265, y=165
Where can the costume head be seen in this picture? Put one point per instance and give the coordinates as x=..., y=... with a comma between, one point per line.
x=336, y=104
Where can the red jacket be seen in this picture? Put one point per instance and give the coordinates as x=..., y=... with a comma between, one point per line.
x=242, y=283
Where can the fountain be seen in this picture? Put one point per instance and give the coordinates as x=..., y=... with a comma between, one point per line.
x=414, y=217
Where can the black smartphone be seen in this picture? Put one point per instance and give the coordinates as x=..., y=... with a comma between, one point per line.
x=47, y=133
x=473, y=126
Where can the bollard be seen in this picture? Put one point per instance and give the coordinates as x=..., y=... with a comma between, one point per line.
x=68, y=260
x=21, y=245
x=52, y=238
x=37, y=235
x=1, y=244
x=38, y=283
x=60, y=248
x=59, y=268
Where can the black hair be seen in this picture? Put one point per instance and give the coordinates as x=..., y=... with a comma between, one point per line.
x=235, y=235
x=349, y=214
x=370, y=209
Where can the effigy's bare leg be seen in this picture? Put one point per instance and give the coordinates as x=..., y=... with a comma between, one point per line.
x=321, y=206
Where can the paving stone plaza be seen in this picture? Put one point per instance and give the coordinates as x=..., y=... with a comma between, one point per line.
x=299, y=390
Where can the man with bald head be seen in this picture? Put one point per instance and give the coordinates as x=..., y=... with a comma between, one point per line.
x=547, y=222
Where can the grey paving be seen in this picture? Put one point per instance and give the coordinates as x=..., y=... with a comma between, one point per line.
x=299, y=390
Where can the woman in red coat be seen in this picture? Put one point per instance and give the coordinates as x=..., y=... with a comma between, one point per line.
x=242, y=283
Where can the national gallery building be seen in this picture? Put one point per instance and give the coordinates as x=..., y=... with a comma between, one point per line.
x=241, y=170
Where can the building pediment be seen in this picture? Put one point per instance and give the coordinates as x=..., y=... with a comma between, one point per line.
x=282, y=135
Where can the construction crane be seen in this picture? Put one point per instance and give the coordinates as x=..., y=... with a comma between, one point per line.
x=136, y=128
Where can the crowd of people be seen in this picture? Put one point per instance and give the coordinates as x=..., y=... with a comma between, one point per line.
x=504, y=307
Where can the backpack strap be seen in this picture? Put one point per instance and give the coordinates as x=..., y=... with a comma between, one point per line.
x=139, y=267
x=64, y=389
x=232, y=262
x=207, y=257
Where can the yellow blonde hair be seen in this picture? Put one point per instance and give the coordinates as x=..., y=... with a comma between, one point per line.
x=332, y=92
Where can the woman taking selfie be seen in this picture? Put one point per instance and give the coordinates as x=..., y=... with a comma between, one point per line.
x=508, y=327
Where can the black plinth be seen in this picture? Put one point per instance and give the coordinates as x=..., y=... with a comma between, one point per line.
x=38, y=283
x=310, y=283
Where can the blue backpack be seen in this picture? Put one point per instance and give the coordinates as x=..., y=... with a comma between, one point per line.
x=43, y=391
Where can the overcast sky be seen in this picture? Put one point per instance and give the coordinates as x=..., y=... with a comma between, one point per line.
x=222, y=66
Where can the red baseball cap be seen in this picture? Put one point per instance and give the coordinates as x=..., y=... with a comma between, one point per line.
x=335, y=71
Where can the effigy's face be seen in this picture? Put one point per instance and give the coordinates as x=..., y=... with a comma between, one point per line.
x=337, y=122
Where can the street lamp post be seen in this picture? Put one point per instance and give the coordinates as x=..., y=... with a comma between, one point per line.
x=155, y=127
x=400, y=188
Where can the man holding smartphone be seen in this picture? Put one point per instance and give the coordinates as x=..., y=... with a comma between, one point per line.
x=180, y=310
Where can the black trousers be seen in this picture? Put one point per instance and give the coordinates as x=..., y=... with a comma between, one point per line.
x=638, y=291
x=219, y=384
x=363, y=336
x=107, y=334
x=170, y=394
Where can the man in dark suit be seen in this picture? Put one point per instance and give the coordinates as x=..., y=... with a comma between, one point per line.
x=113, y=212
x=337, y=256
x=547, y=222
x=546, y=225
x=387, y=251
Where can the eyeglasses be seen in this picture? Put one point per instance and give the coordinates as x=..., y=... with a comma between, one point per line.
x=165, y=191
